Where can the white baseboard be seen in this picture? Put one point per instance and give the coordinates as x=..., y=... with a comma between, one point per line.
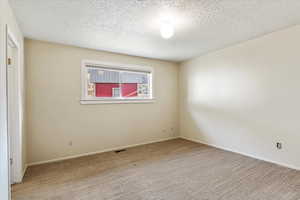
x=24, y=171
x=97, y=152
x=161, y=140
x=245, y=154
x=20, y=176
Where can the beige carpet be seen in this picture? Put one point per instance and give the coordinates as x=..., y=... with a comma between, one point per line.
x=172, y=170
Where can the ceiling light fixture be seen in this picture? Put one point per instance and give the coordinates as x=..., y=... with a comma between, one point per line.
x=166, y=29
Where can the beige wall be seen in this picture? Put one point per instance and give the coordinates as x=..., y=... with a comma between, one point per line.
x=246, y=98
x=55, y=116
x=243, y=98
x=7, y=19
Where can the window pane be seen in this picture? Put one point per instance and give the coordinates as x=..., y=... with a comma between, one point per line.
x=113, y=83
x=134, y=84
x=105, y=82
x=116, y=92
x=90, y=86
x=105, y=89
x=143, y=90
x=129, y=89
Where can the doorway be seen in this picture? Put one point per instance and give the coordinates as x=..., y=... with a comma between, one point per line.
x=14, y=109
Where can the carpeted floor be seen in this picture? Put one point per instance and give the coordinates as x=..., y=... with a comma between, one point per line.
x=172, y=170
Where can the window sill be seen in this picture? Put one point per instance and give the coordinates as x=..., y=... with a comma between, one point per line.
x=117, y=101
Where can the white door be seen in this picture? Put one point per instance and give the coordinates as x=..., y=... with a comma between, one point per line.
x=12, y=105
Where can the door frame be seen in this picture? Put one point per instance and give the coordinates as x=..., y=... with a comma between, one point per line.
x=17, y=139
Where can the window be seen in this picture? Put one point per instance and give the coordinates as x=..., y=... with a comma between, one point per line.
x=116, y=92
x=115, y=83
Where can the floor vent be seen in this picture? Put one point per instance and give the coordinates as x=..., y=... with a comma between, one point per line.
x=121, y=150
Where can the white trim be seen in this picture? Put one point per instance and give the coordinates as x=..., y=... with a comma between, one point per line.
x=242, y=153
x=85, y=99
x=101, y=151
x=24, y=171
x=122, y=66
x=12, y=37
x=22, y=175
x=17, y=159
x=116, y=101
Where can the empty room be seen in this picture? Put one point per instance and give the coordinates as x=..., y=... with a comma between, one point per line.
x=149, y=100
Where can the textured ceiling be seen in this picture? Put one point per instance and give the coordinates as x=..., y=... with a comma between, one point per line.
x=132, y=26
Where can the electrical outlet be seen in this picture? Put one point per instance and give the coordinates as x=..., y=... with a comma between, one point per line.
x=279, y=145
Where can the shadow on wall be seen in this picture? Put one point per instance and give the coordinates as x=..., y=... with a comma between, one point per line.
x=236, y=107
x=222, y=128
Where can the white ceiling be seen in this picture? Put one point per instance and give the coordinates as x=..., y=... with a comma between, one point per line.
x=132, y=26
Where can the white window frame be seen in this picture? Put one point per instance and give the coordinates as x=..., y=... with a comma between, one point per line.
x=85, y=99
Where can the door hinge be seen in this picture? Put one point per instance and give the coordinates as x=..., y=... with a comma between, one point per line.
x=11, y=161
x=9, y=61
